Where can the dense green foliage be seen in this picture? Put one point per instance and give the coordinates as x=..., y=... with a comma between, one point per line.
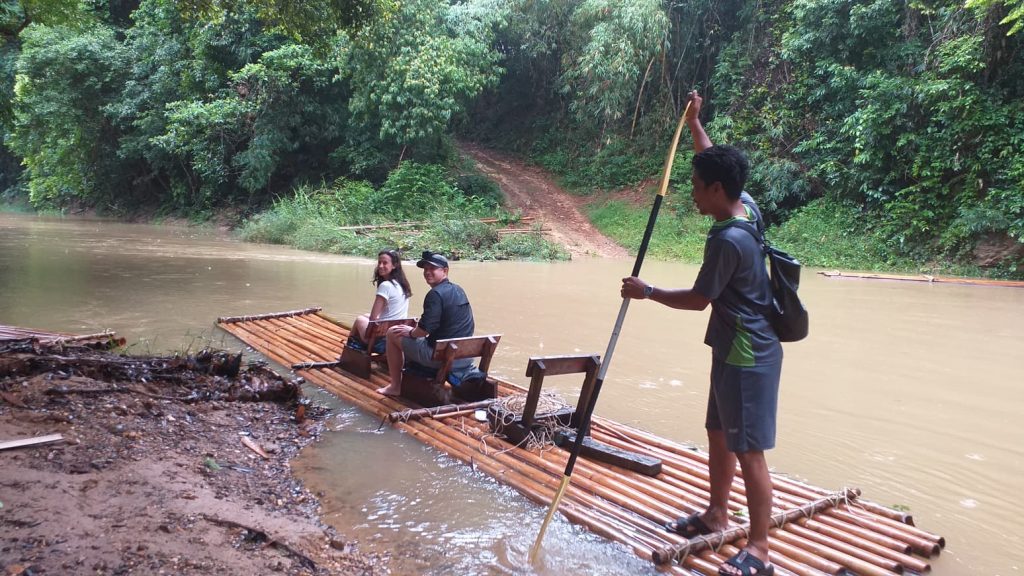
x=199, y=105
x=912, y=113
x=905, y=117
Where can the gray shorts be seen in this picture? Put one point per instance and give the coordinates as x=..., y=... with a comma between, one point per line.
x=743, y=402
x=421, y=352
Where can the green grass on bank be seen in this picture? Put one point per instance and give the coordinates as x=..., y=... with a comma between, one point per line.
x=835, y=235
x=678, y=234
x=322, y=219
x=822, y=235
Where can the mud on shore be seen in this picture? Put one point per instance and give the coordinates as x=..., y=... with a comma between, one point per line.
x=158, y=471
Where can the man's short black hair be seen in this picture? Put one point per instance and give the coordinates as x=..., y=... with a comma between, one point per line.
x=725, y=164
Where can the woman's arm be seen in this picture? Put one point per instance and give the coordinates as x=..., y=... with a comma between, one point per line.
x=379, y=304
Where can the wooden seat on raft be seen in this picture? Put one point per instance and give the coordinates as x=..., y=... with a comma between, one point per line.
x=518, y=427
x=359, y=362
x=518, y=430
x=428, y=387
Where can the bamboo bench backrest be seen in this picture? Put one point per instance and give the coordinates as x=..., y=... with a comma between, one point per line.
x=452, y=349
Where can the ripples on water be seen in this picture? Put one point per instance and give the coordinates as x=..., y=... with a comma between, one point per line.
x=435, y=515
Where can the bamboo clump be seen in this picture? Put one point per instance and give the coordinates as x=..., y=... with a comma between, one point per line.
x=822, y=533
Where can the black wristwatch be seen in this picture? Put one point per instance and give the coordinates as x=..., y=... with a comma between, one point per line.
x=648, y=290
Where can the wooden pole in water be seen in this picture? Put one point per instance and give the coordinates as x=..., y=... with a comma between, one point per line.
x=606, y=360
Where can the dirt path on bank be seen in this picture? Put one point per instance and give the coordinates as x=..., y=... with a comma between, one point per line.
x=534, y=192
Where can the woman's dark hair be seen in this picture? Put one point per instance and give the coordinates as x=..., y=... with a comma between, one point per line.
x=396, y=274
x=724, y=164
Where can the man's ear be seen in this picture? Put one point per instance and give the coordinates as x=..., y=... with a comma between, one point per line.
x=716, y=188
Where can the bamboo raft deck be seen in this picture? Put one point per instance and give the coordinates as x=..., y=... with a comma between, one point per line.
x=923, y=278
x=105, y=338
x=815, y=531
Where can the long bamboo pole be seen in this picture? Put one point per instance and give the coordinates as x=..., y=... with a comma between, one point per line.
x=606, y=360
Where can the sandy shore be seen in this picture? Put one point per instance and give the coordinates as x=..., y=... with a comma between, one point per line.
x=158, y=471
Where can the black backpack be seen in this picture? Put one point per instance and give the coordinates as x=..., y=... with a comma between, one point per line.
x=787, y=315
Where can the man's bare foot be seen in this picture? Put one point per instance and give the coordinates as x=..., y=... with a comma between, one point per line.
x=390, y=390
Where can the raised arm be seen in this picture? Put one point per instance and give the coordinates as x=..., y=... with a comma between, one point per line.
x=700, y=137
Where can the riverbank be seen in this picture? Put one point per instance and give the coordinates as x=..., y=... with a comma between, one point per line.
x=823, y=234
x=167, y=465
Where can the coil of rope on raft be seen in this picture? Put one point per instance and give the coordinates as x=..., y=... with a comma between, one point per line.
x=541, y=436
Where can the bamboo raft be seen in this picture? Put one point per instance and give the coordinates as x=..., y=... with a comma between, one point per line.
x=107, y=338
x=814, y=531
x=924, y=278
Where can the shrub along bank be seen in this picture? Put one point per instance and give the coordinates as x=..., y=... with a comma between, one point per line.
x=352, y=217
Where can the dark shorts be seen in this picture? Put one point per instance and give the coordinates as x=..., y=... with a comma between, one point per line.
x=743, y=402
x=421, y=352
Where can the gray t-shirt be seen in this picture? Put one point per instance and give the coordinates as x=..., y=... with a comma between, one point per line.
x=735, y=279
x=397, y=303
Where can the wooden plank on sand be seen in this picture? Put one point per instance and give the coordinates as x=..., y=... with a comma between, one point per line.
x=30, y=441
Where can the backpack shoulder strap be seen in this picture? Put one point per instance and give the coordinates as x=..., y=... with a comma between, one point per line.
x=747, y=226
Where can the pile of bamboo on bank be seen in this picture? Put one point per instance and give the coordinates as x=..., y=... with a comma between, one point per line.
x=923, y=278
x=846, y=535
x=522, y=220
x=107, y=338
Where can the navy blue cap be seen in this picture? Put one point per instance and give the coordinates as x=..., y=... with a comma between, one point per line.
x=432, y=259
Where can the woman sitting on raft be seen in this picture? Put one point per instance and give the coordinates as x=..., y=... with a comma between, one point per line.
x=393, y=293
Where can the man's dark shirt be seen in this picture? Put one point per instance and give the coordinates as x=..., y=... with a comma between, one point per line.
x=446, y=313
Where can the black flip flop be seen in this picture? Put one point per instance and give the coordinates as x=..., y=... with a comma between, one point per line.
x=689, y=527
x=748, y=565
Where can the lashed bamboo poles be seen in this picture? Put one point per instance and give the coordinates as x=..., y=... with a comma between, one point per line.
x=546, y=479
x=233, y=319
x=709, y=563
x=406, y=415
x=618, y=504
x=16, y=333
x=792, y=492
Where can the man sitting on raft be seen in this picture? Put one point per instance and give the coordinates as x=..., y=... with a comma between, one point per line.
x=393, y=292
x=446, y=314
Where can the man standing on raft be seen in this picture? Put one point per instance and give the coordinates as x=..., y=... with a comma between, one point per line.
x=746, y=354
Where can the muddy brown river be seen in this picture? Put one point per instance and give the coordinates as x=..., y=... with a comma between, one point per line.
x=911, y=392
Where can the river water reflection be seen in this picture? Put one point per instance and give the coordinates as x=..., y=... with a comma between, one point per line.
x=911, y=392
